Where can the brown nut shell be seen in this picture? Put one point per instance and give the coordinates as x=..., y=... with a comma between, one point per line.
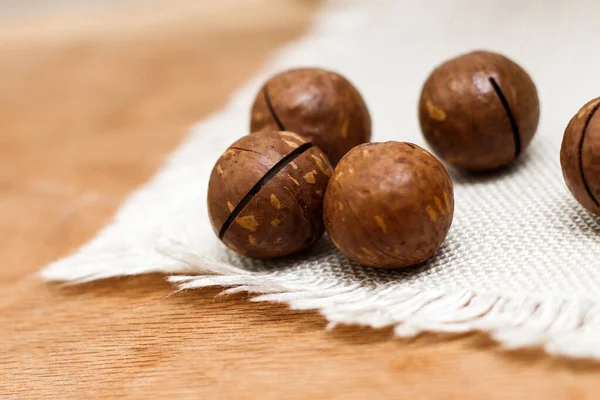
x=321, y=105
x=389, y=205
x=479, y=111
x=580, y=156
x=265, y=194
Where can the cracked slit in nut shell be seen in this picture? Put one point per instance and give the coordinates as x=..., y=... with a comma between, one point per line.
x=265, y=194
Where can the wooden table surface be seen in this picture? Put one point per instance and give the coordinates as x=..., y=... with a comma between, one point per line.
x=90, y=105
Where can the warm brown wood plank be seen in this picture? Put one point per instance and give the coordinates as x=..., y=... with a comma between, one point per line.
x=87, y=114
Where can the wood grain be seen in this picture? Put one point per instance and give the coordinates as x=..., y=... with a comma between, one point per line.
x=87, y=113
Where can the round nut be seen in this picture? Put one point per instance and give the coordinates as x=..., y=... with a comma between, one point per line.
x=479, y=111
x=388, y=205
x=318, y=104
x=580, y=156
x=265, y=194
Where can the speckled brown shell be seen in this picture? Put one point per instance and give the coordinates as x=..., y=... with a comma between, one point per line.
x=479, y=111
x=318, y=104
x=265, y=195
x=580, y=156
x=389, y=205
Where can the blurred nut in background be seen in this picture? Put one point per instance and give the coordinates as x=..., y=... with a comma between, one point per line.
x=389, y=205
x=580, y=156
x=479, y=111
x=318, y=104
x=265, y=195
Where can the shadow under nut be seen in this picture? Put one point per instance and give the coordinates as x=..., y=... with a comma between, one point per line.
x=388, y=205
x=580, y=156
x=479, y=111
x=283, y=180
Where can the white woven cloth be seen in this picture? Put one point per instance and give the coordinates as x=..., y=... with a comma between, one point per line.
x=522, y=260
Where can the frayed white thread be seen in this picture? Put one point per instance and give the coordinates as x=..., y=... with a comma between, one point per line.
x=560, y=327
x=514, y=322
